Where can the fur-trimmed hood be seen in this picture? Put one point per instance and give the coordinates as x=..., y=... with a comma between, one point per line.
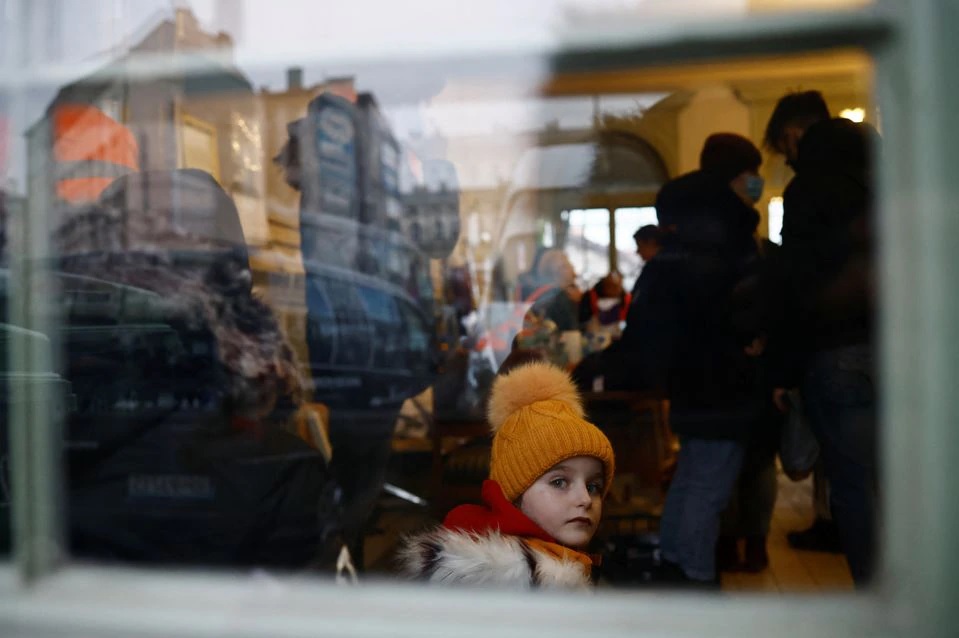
x=491, y=559
x=493, y=544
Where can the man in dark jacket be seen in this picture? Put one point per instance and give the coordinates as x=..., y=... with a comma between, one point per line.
x=794, y=115
x=691, y=341
x=822, y=336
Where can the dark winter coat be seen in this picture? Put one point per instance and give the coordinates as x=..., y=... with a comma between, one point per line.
x=687, y=327
x=821, y=283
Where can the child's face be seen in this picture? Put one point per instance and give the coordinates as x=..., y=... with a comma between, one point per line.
x=567, y=501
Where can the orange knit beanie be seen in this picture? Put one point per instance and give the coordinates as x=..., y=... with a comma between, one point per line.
x=537, y=420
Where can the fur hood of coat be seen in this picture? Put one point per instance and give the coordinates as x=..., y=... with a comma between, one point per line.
x=491, y=559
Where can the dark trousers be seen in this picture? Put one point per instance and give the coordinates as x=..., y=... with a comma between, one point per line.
x=839, y=396
x=750, y=511
x=706, y=473
x=362, y=444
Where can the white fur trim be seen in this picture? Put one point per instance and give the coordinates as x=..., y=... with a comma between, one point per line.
x=493, y=559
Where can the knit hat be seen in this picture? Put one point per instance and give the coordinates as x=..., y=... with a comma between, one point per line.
x=726, y=155
x=538, y=421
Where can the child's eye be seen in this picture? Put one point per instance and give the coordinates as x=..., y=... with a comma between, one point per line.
x=558, y=482
x=594, y=488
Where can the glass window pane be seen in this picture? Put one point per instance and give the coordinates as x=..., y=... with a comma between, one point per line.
x=287, y=270
x=589, y=243
x=6, y=202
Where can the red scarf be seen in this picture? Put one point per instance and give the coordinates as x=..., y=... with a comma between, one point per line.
x=500, y=515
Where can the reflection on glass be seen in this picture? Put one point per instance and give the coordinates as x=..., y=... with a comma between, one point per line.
x=285, y=290
x=10, y=205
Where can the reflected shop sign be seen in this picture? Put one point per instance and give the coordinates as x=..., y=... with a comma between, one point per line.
x=369, y=300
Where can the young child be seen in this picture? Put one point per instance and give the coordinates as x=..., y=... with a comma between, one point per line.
x=549, y=472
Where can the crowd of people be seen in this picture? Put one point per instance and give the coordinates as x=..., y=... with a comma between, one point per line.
x=725, y=324
x=720, y=322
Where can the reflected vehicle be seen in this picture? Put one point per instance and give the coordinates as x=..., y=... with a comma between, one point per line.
x=127, y=348
x=369, y=299
x=176, y=451
x=370, y=343
x=123, y=360
x=370, y=325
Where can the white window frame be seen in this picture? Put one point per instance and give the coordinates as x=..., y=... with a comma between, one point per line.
x=916, y=49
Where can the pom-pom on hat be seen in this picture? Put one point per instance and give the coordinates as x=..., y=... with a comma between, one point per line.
x=538, y=421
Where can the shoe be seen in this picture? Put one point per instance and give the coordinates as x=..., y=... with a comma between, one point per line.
x=727, y=554
x=823, y=536
x=756, y=558
x=672, y=576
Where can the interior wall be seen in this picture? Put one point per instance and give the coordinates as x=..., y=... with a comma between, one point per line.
x=711, y=110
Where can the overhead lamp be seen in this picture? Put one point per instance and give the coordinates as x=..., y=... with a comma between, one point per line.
x=857, y=114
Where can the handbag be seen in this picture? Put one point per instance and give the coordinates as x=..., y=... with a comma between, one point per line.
x=798, y=447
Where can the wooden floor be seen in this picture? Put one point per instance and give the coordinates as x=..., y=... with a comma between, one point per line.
x=790, y=570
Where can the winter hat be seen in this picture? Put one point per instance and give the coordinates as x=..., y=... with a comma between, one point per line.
x=538, y=421
x=726, y=155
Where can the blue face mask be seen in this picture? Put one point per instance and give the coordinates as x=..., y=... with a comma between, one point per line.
x=754, y=187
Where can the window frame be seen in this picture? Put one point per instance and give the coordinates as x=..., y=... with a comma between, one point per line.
x=40, y=595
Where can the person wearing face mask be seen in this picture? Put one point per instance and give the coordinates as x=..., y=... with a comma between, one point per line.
x=687, y=336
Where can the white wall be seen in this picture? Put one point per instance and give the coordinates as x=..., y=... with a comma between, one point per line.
x=711, y=110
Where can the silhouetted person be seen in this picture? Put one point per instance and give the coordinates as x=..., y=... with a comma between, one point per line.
x=824, y=334
x=693, y=344
x=749, y=514
x=796, y=113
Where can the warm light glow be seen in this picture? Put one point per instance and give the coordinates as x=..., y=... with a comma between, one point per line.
x=775, y=227
x=857, y=114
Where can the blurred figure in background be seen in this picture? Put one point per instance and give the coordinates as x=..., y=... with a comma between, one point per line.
x=686, y=328
x=605, y=305
x=530, y=280
x=557, y=297
x=749, y=515
x=823, y=335
x=649, y=241
x=796, y=113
